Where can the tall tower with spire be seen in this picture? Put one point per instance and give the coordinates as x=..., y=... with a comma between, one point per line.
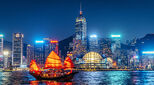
x=81, y=27
x=80, y=39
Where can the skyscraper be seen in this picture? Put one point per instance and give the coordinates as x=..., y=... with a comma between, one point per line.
x=81, y=28
x=80, y=39
x=6, y=58
x=43, y=48
x=65, y=46
x=1, y=51
x=7, y=53
x=116, y=49
x=17, y=49
x=50, y=45
x=30, y=53
x=39, y=52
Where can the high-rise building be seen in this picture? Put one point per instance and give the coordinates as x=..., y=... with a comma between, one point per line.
x=93, y=43
x=146, y=44
x=1, y=51
x=116, y=44
x=105, y=47
x=43, y=48
x=17, y=49
x=6, y=54
x=81, y=28
x=65, y=46
x=116, y=49
x=39, y=52
x=30, y=53
x=47, y=47
x=54, y=46
x=7, y=48
x=80, y=39
x=50, y=45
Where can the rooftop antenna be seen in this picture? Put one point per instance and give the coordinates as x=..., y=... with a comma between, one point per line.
x=80, y=8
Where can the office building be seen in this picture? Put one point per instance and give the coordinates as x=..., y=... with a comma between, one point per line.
x=17, y=49
x=80, y=38
x=1, y=51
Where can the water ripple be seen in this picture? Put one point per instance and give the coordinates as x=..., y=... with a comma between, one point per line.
x=84, y=78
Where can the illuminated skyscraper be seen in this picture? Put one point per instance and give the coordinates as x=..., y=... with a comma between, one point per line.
x=30, y=53
x=50, y=45
x=80, y=39
x=116, y=50
x=105, y=47
x=6, y=58
x=81, y=28
x=17, y=49
x=116, y=42
x=43, y=48
x=39, y=52
x=93, y=43
x=1, y=51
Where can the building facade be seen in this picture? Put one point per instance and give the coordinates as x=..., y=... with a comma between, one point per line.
x=30, y=53
x=50, y=45
x=39, y=52
x=65, y=46
x=146, y=44
x=1, y=51
x=17, y=49
x=80, y=38
x=7, y=48
x=43, y=48
x=93, y=43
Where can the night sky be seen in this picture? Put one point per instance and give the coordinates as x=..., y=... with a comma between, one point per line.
x=56, y=18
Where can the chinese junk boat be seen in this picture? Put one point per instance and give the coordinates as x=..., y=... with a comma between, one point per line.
x=53, y=69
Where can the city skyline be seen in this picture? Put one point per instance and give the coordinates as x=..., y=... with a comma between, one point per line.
x=103, y=18
x=67, y=42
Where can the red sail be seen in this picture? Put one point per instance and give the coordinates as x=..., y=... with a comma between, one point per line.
x=53, y=61
x=33, y=66
x=68, y=64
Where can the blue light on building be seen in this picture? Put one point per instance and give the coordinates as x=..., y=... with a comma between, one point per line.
x=115, y=36
x=148, y=52
x=39, y=41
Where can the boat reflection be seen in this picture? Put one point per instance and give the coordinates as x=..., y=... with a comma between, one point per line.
x=34, y=82
x=50, y=83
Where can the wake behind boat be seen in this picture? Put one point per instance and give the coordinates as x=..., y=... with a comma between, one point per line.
x=53, y=69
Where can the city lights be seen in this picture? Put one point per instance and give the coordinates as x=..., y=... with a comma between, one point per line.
x=148, y=52
x=45, y=42
x=1, y=35
x=6, y=53
x=116, y=36
x=53, y=41
x=39, y=41
x=136, y=56
x=93, y=36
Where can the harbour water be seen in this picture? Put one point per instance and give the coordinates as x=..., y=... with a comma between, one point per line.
x=84, y=78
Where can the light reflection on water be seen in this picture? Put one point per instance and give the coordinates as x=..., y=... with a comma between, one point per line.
x=84, y=78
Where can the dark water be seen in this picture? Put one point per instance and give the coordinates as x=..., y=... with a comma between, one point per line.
x=84, y=78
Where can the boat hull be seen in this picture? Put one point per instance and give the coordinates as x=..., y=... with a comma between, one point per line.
x=66, y=77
